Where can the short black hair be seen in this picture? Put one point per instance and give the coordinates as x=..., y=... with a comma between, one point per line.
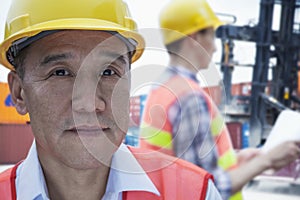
x=175, y=46
x=19, y=62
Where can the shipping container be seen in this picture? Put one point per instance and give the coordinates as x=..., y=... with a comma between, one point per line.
x=15, y=141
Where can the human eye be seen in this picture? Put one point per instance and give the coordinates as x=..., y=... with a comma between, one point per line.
x=60, y=72
x=108, y=72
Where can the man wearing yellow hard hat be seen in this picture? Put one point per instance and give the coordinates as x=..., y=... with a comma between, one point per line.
x=70, y=70
x=181, y=119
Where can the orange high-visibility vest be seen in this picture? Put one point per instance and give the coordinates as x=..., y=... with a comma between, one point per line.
x=156, y=128
x=174, y=178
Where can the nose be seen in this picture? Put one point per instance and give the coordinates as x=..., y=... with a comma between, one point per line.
x=86, y=96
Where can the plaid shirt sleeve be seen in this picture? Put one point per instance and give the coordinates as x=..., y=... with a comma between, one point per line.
x=193, y=140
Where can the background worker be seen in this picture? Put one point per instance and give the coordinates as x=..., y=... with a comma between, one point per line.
x=180, y=119
x=70, y=64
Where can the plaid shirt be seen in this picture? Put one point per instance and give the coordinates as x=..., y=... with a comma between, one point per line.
x=190, y=115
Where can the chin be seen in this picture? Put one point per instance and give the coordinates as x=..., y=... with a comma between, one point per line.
x=87, y=156
x=84, y=162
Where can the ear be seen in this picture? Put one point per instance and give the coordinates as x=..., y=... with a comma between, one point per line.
x=191, y=41
x=17, y=92
x=194, y=36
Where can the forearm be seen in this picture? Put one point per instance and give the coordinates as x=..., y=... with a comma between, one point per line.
x=275, y=158
x=246, y=172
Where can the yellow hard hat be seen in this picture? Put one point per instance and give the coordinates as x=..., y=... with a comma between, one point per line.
x=180, y=18
x=31, y=17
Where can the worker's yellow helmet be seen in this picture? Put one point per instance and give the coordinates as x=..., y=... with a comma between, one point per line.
x=180, y=18
x=28, y=18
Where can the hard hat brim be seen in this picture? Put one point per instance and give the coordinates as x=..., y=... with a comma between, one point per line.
x=71, y=24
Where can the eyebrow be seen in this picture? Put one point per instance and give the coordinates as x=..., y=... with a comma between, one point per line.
x=55, y=57
x=117, y=57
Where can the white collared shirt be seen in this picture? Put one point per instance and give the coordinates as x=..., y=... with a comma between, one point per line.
x=126, y=174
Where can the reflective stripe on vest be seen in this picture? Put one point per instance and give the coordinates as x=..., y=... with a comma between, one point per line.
x=174, y=178
x=156, y=129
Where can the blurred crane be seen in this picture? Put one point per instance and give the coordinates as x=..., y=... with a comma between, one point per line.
x=283, y=45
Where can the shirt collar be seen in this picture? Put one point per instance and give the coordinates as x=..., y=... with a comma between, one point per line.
x=183, y=72
x=30, y=182
x=126, y=174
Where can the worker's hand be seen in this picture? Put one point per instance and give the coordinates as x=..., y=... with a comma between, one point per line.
x=247, y=154
x=283, y=154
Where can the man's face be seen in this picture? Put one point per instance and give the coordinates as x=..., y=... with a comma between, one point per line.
x=207, y=47
x=76, y=90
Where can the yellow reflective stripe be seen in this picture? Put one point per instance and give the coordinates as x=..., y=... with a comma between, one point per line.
x=236, y=196
x=217, y=125
x=227, y=160
x=156, y=137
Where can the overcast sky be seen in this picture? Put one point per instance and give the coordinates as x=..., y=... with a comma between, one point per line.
x=146, y=12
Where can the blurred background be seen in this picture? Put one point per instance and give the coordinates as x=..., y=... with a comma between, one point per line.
x=253, y=77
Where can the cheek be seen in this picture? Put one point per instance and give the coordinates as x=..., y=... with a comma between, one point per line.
x=211, y=46
x=120, y=104
x=47, y=102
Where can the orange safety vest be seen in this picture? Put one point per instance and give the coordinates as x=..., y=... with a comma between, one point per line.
x=174, y=178
x=156, y=128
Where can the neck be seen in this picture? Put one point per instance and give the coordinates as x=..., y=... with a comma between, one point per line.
x=177, y=61
x=89, y=184
x=66, y=183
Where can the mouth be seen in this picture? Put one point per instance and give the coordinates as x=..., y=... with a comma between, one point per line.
x=89, y=130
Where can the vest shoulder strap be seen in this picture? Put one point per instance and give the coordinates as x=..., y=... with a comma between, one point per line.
x=7, y=183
